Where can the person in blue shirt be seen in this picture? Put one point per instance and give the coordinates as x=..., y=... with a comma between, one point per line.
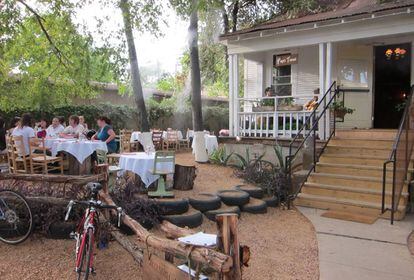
x=106, y=133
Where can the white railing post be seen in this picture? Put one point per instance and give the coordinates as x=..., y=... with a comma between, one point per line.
x=232, y=99
x=322, y=89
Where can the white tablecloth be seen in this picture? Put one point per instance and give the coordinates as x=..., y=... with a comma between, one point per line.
x=80, y=149
x=136, y=136
x=142, y=164
x=211, y=143
x=179, y=134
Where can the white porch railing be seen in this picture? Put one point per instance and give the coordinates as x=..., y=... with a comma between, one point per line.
x=272, y=116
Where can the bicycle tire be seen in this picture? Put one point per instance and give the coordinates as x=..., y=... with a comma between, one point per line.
x=82, y=261
x=27, y=206
x=89, y=253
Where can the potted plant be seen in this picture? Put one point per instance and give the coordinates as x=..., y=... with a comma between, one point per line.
x=340, y=109
x=266, y=105
x=288, y=104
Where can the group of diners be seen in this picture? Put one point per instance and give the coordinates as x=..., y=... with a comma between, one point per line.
x=76, y=128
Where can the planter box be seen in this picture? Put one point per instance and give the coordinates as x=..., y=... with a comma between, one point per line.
x=264, y=109
x=290, y=108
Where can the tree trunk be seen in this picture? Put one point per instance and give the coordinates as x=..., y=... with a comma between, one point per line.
x=133, y=61
x=195, y=69
x=226, y=28
x=234, y=15
x=184, y=176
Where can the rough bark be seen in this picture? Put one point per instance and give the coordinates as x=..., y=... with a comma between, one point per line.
x=234, y=15
x=184, y=177
x=172, y=231
x=133, y=61
x=213, y=259
x=195, y=69
x=226, y=29
x=128, y=245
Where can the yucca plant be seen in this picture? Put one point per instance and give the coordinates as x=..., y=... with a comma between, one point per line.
x=220, y=156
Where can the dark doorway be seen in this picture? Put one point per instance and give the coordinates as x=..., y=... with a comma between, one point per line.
x=392, y=75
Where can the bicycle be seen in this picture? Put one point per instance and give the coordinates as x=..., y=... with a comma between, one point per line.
x=16, y=220
x=86, y=229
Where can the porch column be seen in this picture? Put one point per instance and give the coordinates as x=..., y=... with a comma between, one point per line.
x=322, y=68
x=328, y=83
x=233, y=94
x=231, y=97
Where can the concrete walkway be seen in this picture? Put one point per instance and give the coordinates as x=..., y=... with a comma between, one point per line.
x=349, y=250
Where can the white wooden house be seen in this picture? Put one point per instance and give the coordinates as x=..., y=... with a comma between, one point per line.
x=347, y=45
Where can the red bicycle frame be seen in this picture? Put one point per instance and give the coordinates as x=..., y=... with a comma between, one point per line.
x=87, y=222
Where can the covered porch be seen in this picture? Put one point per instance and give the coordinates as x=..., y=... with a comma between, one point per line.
x=276, y=75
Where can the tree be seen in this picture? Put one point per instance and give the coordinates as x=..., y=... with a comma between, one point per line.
x=133, y=61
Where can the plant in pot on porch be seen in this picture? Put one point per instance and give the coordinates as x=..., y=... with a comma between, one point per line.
x=340, y=110
x=266, y=105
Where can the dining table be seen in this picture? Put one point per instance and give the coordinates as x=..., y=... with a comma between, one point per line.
x=211, y=143
x=142, y=164
x=78, y=152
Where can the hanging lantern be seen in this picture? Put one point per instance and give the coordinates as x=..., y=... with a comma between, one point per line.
x=397, y=53
x=388, y=53
x=402, y=53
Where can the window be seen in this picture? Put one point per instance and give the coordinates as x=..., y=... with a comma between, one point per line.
x=353, y=73
x=282, y=77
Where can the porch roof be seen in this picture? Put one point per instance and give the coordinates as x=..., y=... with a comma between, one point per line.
x=347, y=8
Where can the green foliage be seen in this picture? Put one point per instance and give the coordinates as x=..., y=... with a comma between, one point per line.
x=220, y=157
x=339, y=106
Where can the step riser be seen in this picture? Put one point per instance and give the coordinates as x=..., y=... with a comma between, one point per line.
x=342, y=194
x=366, y=134
x=352, y=171
x=372, y=185
x=350, y=160
x=359, y=151
x=399, y=215
x=362, y=143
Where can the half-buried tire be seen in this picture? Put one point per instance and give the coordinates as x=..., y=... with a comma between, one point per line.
x=192, y=218
x=253, y=191
x=255, y=206
x=234, y=197
x=205, y=202
x=271, y=201
x=172, y=206
x=211, y=215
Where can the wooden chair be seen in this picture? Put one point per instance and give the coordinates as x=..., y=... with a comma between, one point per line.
x=185, y=142
x=157, y=139
x=164, y=164
x=103, y=160
x=18, y=161
x=40, y=161
x=125, y=143
x=125, y=137
x=171, y=141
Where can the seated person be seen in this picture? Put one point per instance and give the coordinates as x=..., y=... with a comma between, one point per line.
x=83, y=123
x=15, y=122
x=26, y=131
x=74, y=128
x=55, y=128
x=41, y=132
x=106, y=134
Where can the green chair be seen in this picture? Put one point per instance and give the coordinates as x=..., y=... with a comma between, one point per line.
x=164, y=164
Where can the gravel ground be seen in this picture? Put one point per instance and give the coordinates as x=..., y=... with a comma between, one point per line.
x=282, y=242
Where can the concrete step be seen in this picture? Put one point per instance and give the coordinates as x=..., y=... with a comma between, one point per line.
x=346, y=192
x=366, y=133
x=352, y=169
x=354, y=159
x=355, y=150
x=361, y=143
x=346, y=205
x=361, y=182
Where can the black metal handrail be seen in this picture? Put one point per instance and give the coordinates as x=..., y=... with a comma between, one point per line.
x=395, y=158
x=313, y=121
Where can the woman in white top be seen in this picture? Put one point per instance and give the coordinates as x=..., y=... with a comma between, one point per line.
x=55, y=128
x=26, y=131
x=83, y=123
x=74, y=128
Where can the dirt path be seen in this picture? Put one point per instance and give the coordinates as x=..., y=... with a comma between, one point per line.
x=283, y=243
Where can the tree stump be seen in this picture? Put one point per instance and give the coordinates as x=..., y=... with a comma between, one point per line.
x=184, y=177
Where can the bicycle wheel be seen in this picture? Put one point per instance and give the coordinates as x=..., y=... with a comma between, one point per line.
x=89, y=254
x=16, y=220
x=81, y=255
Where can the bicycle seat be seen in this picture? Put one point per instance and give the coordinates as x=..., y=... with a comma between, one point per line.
x=94, y=187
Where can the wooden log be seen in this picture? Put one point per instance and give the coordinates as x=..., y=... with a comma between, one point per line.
x=228, y=242
x=72, y=179
x=213, y=259
x=184, y=177
x=172, y=231
x=136, y=252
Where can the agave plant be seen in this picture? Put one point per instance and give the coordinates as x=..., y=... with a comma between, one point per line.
x=220, y=156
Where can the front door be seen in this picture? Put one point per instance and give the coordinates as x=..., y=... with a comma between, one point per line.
x=392, y=75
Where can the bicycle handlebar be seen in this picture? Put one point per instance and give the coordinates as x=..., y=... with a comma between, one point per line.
x=97, y=204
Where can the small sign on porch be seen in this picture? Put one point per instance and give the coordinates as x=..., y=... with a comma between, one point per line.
x=285, y=59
